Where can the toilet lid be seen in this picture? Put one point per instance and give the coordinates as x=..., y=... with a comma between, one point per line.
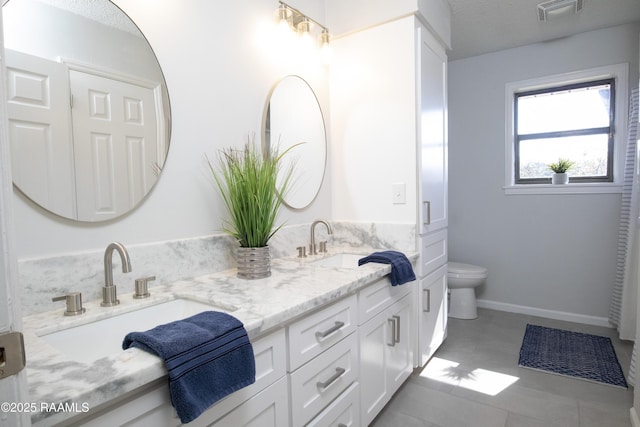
x=459, y=268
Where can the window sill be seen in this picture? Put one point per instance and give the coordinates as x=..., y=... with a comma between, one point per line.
x=595, y=188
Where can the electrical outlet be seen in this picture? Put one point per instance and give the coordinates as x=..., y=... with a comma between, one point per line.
x=399, y=196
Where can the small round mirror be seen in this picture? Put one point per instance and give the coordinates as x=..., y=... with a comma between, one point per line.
x=293, y=116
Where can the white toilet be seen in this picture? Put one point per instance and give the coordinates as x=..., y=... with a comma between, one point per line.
x=462, y=280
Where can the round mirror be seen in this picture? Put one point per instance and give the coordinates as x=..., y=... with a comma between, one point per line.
x=293, y=116
x=88, y=107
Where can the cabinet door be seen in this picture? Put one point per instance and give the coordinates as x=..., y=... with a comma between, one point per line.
x=432, y=327
x=374, y=336
x=400, y=354
x=269, y=408
x=432, y=121
x=386, y=357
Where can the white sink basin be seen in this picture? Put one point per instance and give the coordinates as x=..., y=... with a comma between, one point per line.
x=343, y=260
x=91, y=341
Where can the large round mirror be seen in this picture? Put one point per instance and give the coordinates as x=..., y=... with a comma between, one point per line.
x=293, y=117
x=88, y=107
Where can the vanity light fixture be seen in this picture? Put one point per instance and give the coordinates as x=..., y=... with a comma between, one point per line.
x=301, y=23
x=284, y=16
x=303, y=26
x=324, y=38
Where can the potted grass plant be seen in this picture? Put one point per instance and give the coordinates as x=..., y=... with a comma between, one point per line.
x=252, y=191
x=560, y=169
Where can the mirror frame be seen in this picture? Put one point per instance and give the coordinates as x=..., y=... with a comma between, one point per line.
x=266, y=138
x=164, y=117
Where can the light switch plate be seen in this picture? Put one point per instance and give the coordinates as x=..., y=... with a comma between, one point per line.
x=399, y=194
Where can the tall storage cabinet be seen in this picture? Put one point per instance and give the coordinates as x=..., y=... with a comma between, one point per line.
x=432, y=194
x=389, y=103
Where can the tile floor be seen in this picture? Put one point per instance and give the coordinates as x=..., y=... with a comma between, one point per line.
x=474, y=380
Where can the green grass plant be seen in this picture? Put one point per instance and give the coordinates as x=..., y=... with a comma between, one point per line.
x=562, y=166
x=248, y=183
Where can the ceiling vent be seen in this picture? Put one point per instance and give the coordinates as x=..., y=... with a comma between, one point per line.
x=555, y=9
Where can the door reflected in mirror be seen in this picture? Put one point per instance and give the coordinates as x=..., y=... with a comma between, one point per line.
x=293, y=116
x=89, y=115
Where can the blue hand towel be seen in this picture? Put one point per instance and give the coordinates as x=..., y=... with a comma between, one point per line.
x=401, y=268
x=208, y=356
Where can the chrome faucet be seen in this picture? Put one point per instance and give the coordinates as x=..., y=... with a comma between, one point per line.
x=109, y=297
x=312, y=245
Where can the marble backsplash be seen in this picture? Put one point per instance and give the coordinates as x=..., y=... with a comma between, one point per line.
x=44, y=278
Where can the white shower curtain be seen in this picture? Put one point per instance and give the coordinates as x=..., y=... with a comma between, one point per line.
x=624, y=301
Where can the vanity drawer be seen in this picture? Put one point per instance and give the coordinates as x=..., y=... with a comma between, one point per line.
x=316, y=384
x=433, y=251
x=270, y=358
x=344, y=411
x=378, y=296
x=316, y=332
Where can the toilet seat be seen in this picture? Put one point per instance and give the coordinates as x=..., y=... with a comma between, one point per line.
x=460, y=270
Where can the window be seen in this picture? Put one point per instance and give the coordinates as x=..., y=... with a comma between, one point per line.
x=580, y=116
x=574, y=122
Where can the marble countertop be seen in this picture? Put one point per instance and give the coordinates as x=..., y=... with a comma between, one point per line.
x=296, y=286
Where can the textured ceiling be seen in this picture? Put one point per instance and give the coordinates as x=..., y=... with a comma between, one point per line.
x=483, y=26
x=100, y=11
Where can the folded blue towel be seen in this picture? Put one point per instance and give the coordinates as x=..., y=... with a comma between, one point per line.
x=208, y=356
x=401, y=268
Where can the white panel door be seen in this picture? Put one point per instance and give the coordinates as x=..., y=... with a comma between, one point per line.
x=115, y=143
x=13, y=389
x=432, y=74
x=40, y=131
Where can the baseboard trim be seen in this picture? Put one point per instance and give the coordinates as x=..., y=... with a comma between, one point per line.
x=635, y=422
x=549, y=314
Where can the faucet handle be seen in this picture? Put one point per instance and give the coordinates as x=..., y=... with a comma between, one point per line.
x=74, y=303
x=323, y=247
x=302, y=253
x=142, y=287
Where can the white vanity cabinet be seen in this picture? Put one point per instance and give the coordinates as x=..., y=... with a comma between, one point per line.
x=323, y=361
x=386, y=340
x=266, y=399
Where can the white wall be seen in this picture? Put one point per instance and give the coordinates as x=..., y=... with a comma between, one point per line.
x=374, y=131
x=546, y=252
x=220, y=62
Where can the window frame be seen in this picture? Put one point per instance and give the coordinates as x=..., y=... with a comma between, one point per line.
x=608, y=130
x=619, y=74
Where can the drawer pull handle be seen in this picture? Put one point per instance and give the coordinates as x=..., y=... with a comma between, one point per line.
x=428, y=204
x=334, y=377
x=329, y=331
x=342, y=425
x=426, y=299
x=392, y=322
x=396, y=335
